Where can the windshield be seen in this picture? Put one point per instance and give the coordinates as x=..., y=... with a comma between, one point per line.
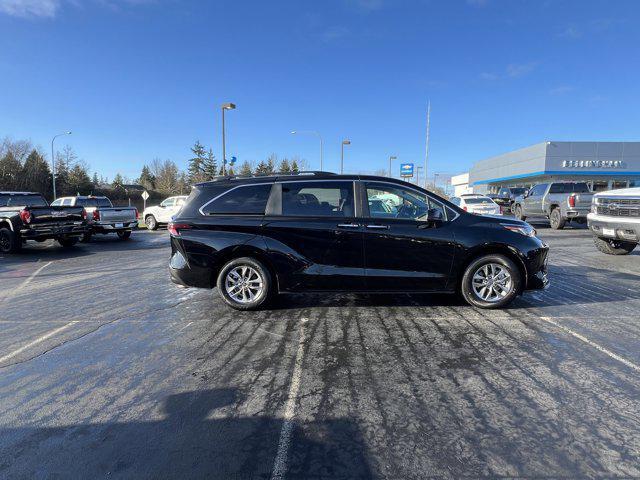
x=22, y=200
x=93, y=202
x=518, y=191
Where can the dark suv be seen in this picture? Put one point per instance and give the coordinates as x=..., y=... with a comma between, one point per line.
x=256, y=237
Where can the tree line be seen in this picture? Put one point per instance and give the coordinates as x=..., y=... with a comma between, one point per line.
x=24, y=167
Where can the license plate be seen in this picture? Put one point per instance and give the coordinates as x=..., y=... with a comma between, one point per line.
x=119, y=225
x=609, y=232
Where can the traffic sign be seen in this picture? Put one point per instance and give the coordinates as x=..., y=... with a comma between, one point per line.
x=145, y=195
x=406, y=169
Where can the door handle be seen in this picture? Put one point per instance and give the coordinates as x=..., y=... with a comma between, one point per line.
x=378, y=227
x=348, y=225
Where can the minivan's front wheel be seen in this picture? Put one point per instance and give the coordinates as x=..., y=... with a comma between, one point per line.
x=245, y=284
x=492, y=281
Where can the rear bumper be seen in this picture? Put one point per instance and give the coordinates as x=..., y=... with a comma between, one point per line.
x=627, y=229
x=577, y=213
x=53, y=231
x=112, y=227
x=186, y=275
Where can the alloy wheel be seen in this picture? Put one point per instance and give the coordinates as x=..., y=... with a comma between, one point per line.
x=492, y=282
x=244, y=284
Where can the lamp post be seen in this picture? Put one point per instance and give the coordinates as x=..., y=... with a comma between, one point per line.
x=344, y=142
x=392, y=157
x=312, y=132
x=53, y=161
x=226, y=106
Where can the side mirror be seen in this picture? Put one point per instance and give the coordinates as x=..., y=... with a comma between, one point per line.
x=162, y=206
x=525, y=194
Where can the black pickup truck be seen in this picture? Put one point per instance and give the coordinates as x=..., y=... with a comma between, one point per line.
x=27, y=216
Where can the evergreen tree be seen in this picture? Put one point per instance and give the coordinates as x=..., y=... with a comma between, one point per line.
x=245, y=170
x=262, y=168
x=294, y=166
x=271, y=163
x=210, y=166
x=79, y=181
x=95, y=180
x=10, y=170
x=117, y=180
x=284, y=166
x=147, y=179
x=196, y=163
x=36, y=175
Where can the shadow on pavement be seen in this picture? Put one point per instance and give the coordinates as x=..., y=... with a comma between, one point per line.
x=192, y=441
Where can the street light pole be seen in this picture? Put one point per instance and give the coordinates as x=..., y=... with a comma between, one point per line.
x=226, y=106
x=392, y=157
x=313, y=132
x=344, y=142
x=53, y=161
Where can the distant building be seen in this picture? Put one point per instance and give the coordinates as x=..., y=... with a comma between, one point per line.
x=603, y=165
x=460, y=184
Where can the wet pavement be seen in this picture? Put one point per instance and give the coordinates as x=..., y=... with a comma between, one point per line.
x=107, y=370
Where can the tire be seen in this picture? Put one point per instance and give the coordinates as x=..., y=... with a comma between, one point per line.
x=86, y=238
x=9, y=241
x=151, y=222
x=518, y=213
x=68, y=242
x=493, y=265
x=255, y=272
x=557, y=222
x=613, y=247
x=124, y=235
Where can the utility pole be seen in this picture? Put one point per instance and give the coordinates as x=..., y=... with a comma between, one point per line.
x=53, y=161
x=426, y=153
x=392, y=157
x=344, y=142
x=226, y=106
x=418, y=168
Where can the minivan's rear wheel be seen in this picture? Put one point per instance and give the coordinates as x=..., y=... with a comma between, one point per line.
x=613, y=247
x=492, y=281
x=245, y=284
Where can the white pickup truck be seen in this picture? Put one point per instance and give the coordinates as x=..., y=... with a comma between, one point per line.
x=103, y=217
x=615, y=220
x=161, y=214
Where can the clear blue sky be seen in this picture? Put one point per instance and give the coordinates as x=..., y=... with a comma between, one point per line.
x=138, y=79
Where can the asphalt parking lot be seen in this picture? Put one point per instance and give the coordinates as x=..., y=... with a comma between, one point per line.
x=108, y=370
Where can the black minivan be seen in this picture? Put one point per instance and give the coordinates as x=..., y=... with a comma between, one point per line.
x=255, y=237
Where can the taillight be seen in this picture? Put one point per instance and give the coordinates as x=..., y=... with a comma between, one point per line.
x=572, y=201
x=84, y=214
x=174, y=228
x=96, y=215
x=25, y=216
x=465, y=208
x=137, y=213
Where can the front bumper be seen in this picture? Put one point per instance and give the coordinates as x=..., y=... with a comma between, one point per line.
x=621, y=228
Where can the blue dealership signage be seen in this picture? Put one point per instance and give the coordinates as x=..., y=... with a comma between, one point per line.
x=406, y=169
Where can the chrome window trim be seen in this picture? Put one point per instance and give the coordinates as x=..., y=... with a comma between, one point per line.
x=231, y=190
x=415, y=190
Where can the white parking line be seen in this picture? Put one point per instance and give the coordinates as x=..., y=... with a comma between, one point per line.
x=624, y=361
x=37, y=341
x=282, y=456
x=13, y=291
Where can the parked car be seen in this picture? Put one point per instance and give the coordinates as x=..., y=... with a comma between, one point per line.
x=27, y=216
x=161, y=214
x=260, y=236
x=560, y=202
x=615, y=220
x=478, y=204
x=506, y=197
x=102, y=216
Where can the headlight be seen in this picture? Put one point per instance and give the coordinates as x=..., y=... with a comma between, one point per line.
x=526, y=230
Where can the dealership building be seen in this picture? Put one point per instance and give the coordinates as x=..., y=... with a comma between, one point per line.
x=603, y=165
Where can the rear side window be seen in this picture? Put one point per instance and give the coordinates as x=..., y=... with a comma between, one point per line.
x=243, y=200
x=317, y=199
x=93, y=202
x=569, y=188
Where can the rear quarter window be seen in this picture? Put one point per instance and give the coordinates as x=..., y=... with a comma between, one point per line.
x=242, y=200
